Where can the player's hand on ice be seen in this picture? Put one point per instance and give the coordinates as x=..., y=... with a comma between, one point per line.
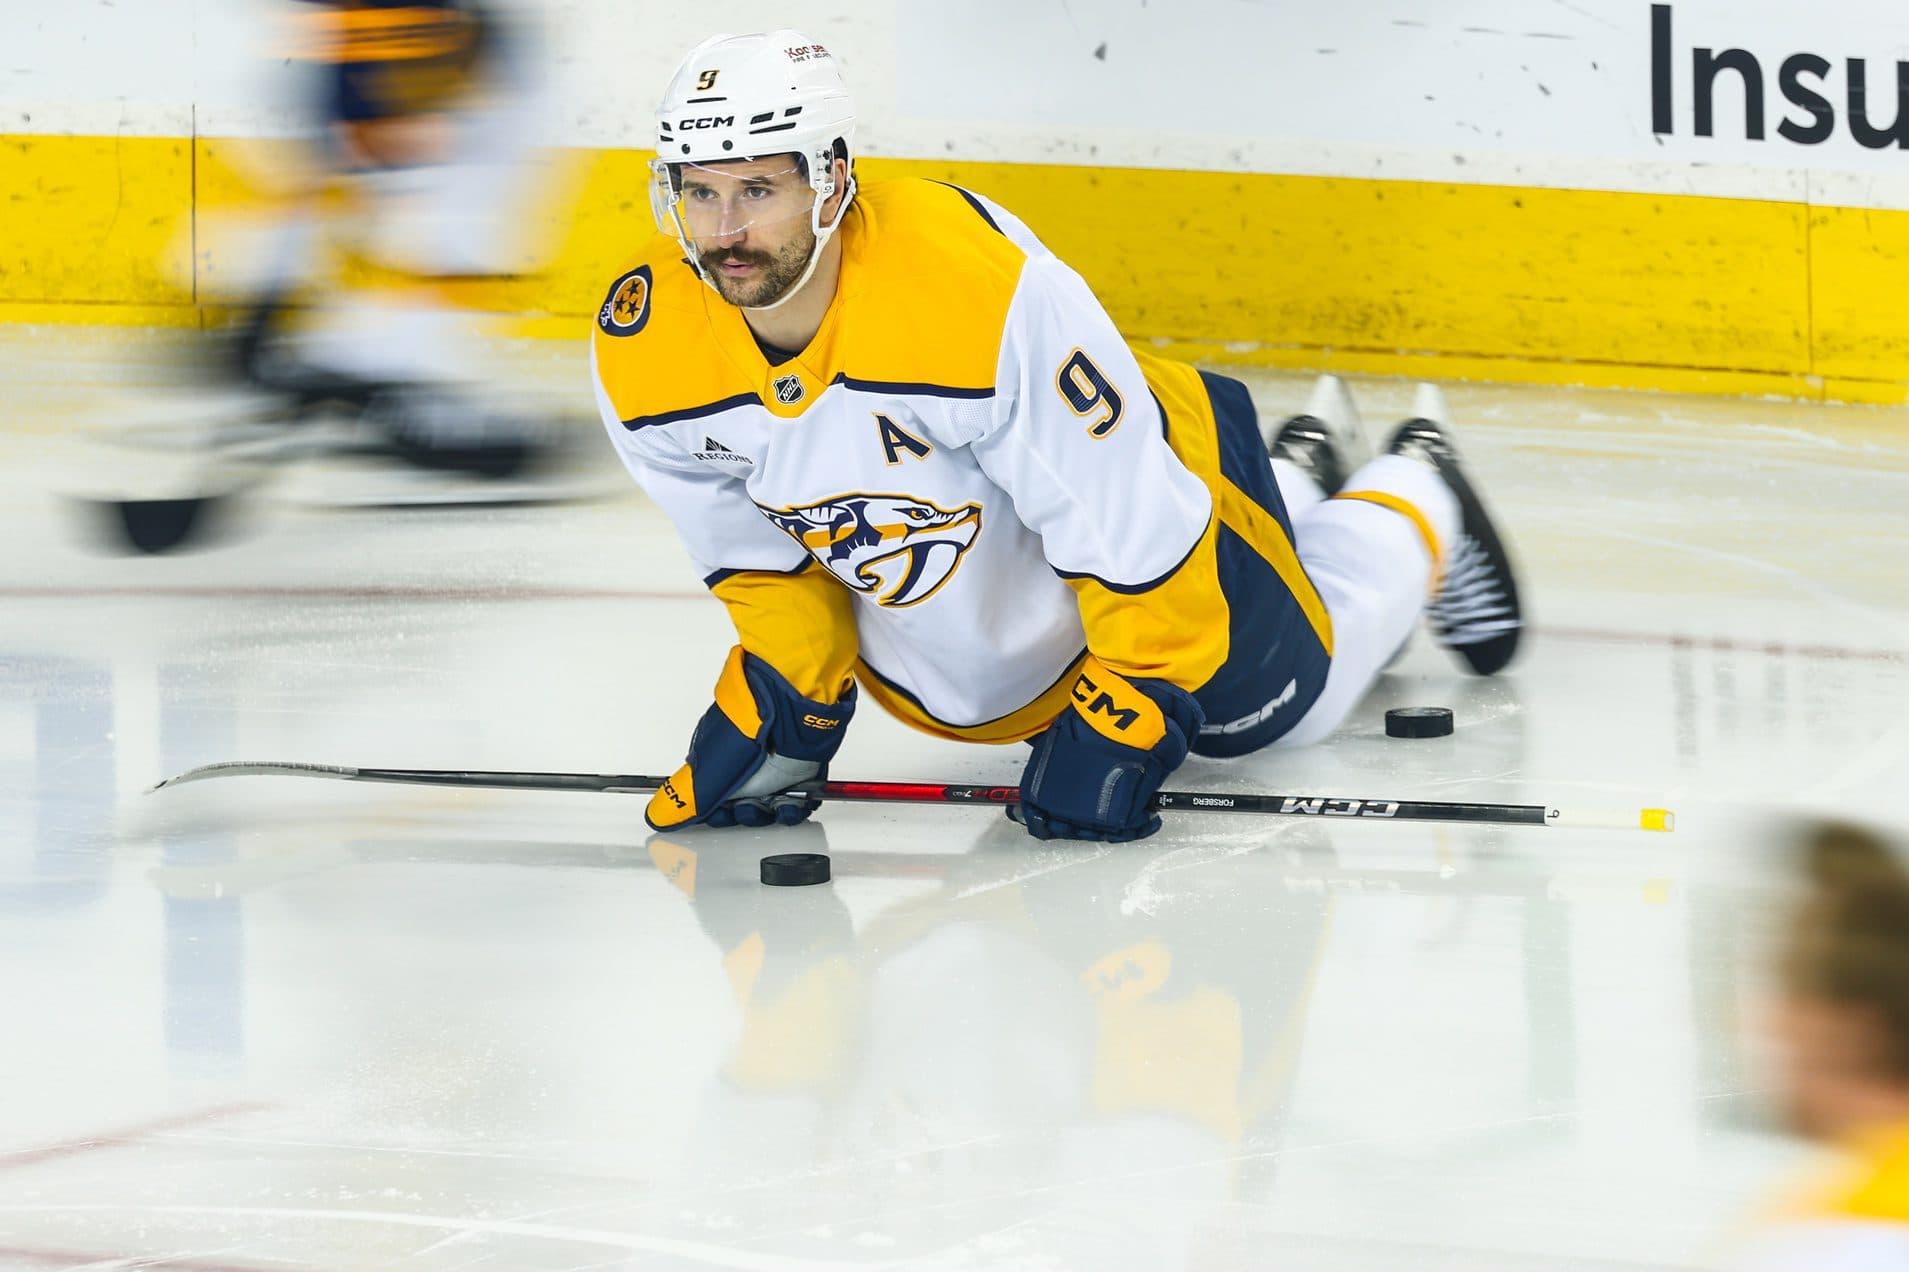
x=1096, y=768
x=760, y=738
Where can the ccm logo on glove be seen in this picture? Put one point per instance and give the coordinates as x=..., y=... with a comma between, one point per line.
x=1084, y=691
x=1117, y=708
x=1095, y=769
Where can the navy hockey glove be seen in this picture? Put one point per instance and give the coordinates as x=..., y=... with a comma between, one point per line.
x=1096, y=768
x=760, y=738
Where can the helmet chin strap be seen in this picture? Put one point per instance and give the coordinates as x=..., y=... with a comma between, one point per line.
x=822, y=235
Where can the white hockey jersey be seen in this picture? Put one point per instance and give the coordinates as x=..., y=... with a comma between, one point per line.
x=960, y=486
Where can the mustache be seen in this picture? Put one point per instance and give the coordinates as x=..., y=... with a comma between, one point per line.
x=734, y=255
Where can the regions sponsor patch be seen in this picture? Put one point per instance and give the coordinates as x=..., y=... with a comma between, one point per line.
x=627, y=308
x=714, y=450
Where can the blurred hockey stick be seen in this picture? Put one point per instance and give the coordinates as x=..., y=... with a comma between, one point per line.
x=949, y=793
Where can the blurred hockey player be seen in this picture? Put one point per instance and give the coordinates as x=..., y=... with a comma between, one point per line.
x=359, y=272
x=424, y=147
x=1842, y=1035
x=907, y=448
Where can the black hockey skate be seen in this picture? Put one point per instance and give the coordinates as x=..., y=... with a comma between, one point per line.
x=1326, y=441
x=1476, y=613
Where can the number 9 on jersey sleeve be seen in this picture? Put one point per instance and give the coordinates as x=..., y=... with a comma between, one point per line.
x=1088, y=393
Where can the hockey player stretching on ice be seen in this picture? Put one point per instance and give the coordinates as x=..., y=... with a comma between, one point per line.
x=908, y=449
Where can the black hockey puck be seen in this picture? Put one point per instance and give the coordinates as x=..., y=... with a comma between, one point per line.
x=795, y=869
x=1418, y=722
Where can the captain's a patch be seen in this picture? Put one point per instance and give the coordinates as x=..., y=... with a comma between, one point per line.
x=627, y=308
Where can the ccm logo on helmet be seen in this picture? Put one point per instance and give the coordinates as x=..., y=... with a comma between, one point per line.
x=707, y=121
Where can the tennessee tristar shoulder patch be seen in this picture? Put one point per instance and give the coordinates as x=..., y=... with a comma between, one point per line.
x=627, y=307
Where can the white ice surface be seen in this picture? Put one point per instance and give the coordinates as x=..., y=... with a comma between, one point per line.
x=272, y=1024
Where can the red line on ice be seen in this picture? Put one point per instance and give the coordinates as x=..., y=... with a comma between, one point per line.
x=122, y=1137
x=82, y=1259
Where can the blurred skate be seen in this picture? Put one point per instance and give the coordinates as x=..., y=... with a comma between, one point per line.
x=1476, y=612
x=1327, y=441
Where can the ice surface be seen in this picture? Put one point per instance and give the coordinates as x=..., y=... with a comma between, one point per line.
x=273, y=1024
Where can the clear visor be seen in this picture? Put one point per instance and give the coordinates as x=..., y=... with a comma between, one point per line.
x=713, y=206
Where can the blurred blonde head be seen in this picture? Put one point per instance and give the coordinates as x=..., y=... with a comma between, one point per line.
x=1842, y=1026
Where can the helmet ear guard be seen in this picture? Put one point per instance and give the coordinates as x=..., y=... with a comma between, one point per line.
x=822, y=160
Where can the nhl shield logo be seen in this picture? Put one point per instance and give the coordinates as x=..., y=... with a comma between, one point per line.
x=789, y=390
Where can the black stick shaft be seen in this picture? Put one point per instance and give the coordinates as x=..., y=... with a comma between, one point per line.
x=952, y=793
x=1210, y=802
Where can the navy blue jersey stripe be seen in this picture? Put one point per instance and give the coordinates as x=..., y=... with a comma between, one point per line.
x=712, y=579
x=693, y=412
x=895, y=387
x=980, y=208
x=905, y=388
x=1135, y=589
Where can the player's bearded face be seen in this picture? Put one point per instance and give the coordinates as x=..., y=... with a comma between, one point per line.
x=750, y=221
x=767, y=272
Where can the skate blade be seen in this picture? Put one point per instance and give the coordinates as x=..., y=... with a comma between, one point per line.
x=1331, y=402
x=1428, y=403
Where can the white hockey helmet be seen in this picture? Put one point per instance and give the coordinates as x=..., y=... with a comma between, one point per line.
x=753, y=97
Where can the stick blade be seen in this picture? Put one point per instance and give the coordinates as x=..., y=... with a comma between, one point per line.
x=255, y=768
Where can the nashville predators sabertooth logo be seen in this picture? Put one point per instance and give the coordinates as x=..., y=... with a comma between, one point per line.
x=897, y=550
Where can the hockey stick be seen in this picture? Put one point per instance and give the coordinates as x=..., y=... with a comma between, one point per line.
x=950, y=793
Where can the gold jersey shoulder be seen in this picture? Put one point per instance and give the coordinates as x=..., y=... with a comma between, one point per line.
x=652, y=338
x=928, y=280
x=926, y=283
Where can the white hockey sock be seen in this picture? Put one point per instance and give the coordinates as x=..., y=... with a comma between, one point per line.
x=1296, y=487
x=1372, y=566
